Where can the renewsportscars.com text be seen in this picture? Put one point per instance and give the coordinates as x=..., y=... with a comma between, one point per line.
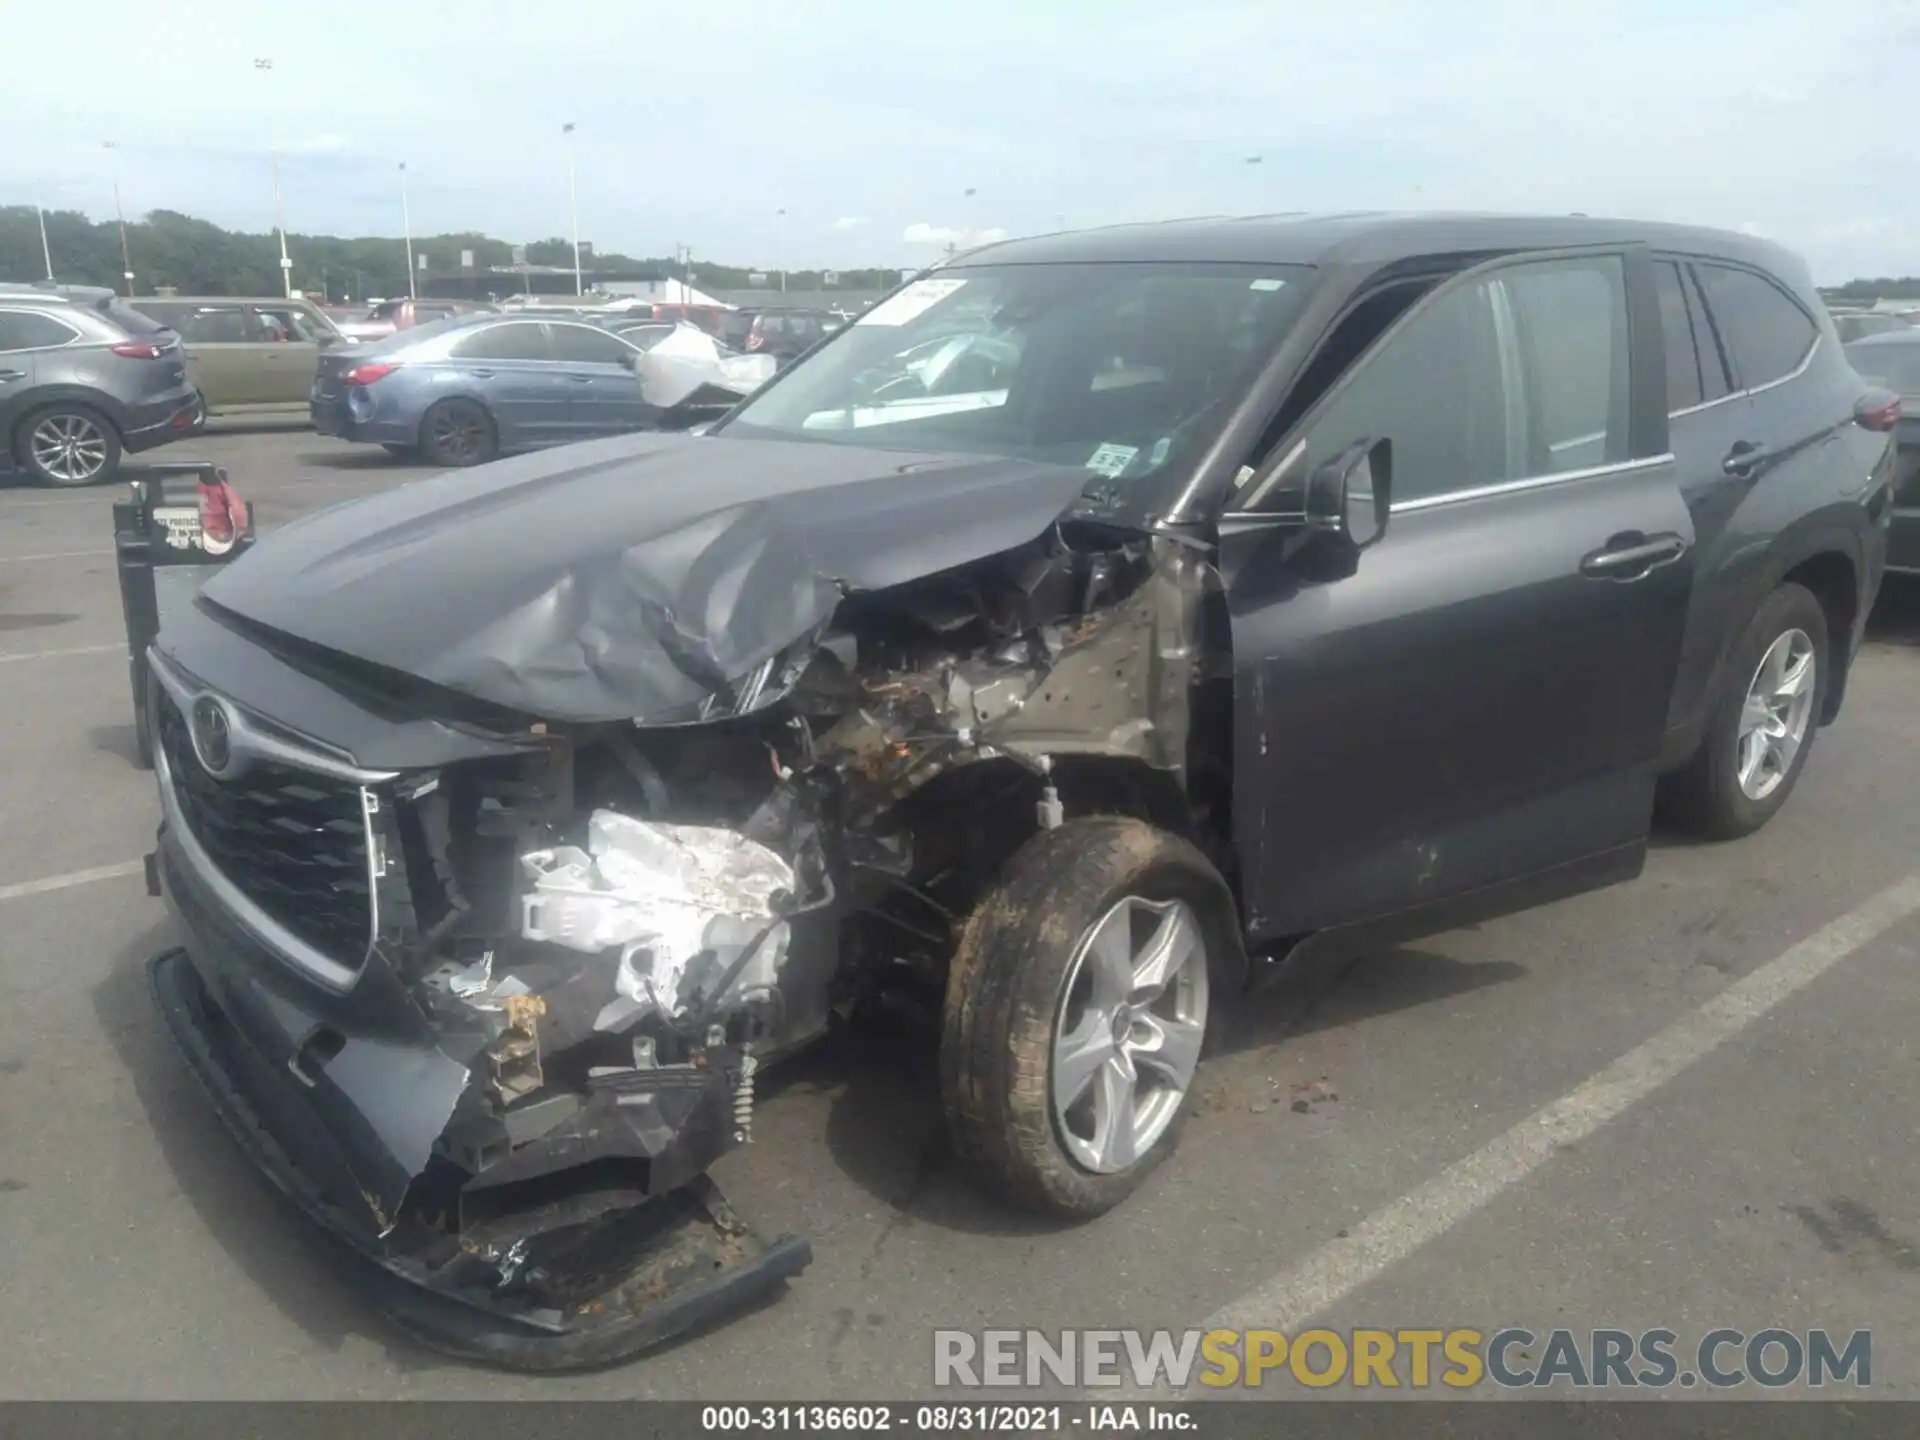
x=1417, y=1359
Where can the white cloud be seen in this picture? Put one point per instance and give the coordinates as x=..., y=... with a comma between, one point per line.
x=921, y=233
x=849, y=222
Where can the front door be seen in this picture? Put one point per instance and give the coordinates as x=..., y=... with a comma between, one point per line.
x=1479, y=698
x=603, y=390
x=289, y=349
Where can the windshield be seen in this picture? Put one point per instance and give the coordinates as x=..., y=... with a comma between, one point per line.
x=1123, y=368
x=1895, y=366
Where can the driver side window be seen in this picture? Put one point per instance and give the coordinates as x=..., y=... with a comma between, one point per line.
x=1520, y=373
x=1435, y=389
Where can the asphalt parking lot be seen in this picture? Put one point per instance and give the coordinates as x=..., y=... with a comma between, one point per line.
x=1368, y=1150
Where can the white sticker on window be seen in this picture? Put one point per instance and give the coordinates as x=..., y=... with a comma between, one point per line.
x=1112, y=460
x=1160, y=449
x=916, y=299
x=1267, y=282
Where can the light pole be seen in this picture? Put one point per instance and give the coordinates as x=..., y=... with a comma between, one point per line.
x=780, y=240
x=46, y=250
x=120, y=214
x=406, y=221
x=279, y=209
x=573, y=209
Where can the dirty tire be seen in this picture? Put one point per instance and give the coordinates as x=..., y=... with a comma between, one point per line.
x=1705, y=797
x=458, y=433
x=1006, y=986
x=93, y=459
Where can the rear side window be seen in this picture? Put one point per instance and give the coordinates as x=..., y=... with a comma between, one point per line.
x=218, y=327
x=30, y=330
x=521, y=340
x=585, y=345
x=1766, y=334
x=1684, y=388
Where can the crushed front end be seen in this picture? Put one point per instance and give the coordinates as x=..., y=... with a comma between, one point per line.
x=487, y=992
x=477, y=1081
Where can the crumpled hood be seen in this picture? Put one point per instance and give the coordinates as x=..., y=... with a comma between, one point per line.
x=632, y=577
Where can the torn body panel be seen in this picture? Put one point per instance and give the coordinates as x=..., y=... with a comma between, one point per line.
x=587, y=935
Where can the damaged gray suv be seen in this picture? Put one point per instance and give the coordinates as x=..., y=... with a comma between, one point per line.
x=1094, y=624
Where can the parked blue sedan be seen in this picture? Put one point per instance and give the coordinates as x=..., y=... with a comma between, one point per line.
x=461, y=391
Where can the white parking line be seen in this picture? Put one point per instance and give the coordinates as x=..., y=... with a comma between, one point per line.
x=57, y=654
x=55, y=555
x=1392, y=1233
x=69, y=880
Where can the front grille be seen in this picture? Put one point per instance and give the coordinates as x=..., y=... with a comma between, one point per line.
x=293, y=841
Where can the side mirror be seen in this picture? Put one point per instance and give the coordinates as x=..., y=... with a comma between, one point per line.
x=1349, y=496
x=629, y=361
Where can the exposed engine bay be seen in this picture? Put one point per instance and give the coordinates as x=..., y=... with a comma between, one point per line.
x=622, y=904
x=609, y=929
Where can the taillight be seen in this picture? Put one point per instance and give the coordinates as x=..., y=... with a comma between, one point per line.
x=367, y=374
x=140, y=349
x=223, y=514
x=1877, y=412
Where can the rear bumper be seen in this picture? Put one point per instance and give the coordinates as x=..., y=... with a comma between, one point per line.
x=332, y=415
x=175, y=418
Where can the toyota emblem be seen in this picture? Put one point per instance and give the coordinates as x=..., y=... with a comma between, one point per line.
x=212, y=735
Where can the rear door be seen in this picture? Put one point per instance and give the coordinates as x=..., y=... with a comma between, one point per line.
x=508, y=366
x=1468, y=715
x=603, y=391
x=23, y=333
x=224, y=356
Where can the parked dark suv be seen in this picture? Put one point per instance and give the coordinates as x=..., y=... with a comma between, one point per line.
x=1225, y=590
x=785, y=334
x=84, y=380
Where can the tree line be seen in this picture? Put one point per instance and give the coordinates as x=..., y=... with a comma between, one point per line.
x=166, y=249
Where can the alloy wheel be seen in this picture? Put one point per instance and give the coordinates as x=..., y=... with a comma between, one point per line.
x=70, y=448
x=460, y=433
x=1777, y=712
x=1128, y=1033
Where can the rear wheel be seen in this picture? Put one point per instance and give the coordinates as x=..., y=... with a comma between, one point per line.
x=458, y=432
x=1763, y=725
x=68, y=445
x=1077, y=1009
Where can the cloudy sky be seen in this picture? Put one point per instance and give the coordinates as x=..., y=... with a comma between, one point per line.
x=868, y=122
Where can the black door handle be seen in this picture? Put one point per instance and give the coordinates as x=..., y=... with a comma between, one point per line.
x=1628, y=557
x=483, y=374
x=581, y=379
x=1741, y=459
x=13, y=374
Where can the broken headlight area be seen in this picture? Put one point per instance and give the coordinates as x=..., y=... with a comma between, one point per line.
x=588, y=949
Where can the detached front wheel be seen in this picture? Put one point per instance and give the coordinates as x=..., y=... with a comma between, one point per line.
x=1077, y=1009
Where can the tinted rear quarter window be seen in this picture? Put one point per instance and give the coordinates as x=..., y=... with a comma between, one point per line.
x=133, y=321
x=1766, y=333
x=1684, y=388
x=1573, y=315
x=30, y=330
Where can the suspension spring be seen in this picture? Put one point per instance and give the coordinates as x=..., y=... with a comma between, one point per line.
x=743, y=1098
